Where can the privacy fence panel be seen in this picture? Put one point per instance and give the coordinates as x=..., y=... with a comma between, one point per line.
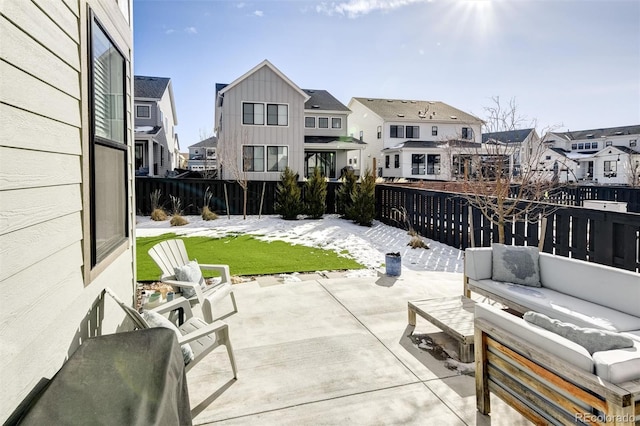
x=605, y=237
x=261, y=195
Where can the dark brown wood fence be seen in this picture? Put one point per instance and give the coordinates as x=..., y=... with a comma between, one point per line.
x=605, y=237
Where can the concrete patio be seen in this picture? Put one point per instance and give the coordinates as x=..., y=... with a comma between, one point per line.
x=335, y=351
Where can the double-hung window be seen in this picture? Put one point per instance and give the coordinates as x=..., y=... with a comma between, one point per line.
x=396, y=161
x=396, y=131
x=336, y=123
x=610, y=168
x=323, y=122
x=433, y=164
x=108, y=148
x=434, y=130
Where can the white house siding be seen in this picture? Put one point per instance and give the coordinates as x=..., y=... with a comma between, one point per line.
x=48, y=292
x=363, y=119
x=263, y=85
x=170, y=121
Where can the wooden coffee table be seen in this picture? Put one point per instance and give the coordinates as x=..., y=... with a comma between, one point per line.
x=453, y=315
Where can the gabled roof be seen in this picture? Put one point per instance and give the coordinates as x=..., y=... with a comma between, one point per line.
x=600, y=133
x=149, y=87
x=510, y=136
x=412, y=110
x=208, y=142
x=263, y=64
x=322, y=100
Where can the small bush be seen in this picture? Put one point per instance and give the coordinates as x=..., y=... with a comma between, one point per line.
x=178, y=220
x=316, y=195
x=288, y=197
x=346, y=192
x=208, y=214
x=363, y=209
x=158, y=214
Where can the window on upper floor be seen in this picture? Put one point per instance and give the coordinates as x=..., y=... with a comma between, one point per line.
x=143, y=111
x=277, y=158
x=361, y=134
x=253, y=158
x=379, y=131
x=336, y=123
x=396, y=161
x=467, y=133
x=412, y=132
x=310, y=122
x=608, y=143
x=581, y=146
x=396, y=131
x=633, y=142
x=252, y=113
x=594, y=145
x=323, y=122
x=277, y=115
x=574, y=146
x=434, y=130
x=108, y=149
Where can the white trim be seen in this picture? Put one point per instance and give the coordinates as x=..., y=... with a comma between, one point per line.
x=269, y=65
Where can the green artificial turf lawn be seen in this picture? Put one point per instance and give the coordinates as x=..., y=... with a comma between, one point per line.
x=245, y=255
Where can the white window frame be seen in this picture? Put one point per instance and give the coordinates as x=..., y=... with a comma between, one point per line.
x=339, y=119
x=139, y=107
x=323, y=118
x=281, y=157
x=310, y=118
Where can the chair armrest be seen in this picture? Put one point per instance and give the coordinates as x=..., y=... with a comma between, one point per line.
x=208, y=329
x=478, y=264
x=222, y=269
x=195, y=286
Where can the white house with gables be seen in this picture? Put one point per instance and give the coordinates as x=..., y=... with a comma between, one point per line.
x=609, y=156
x=405, y=138
x=265, y=122
x=66, y=186
x=157, y=150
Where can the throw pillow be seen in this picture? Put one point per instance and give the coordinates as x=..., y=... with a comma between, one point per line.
x=190, y=273
x=592, y=339
x=516, y=264
x=154, y=319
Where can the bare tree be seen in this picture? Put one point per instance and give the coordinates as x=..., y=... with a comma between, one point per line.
x=502, y=189
x=633, y=170
x=233, y=163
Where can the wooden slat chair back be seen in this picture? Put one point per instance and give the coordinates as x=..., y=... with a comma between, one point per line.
x=170, y=254
x=201, y=336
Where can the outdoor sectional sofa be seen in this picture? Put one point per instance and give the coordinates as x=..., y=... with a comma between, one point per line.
x=549, y=378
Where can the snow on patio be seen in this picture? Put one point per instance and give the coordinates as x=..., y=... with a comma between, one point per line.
x=366, y=245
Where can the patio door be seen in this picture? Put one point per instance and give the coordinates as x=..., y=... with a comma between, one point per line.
x=325, y=160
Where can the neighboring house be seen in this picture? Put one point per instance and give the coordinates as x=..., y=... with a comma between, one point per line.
x=602, y=156
x=66, y=111
x=522, y=146
x=157, y=150
x=203, y=155
x=410, y=133
x=265, y=123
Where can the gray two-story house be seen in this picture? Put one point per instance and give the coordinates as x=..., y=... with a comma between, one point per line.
x=265, y=123
x=157, y=150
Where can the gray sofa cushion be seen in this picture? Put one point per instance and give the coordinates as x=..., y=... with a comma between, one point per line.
x=619, y=365
x=516, y=264
x=562, y=306
x=564, y=349
x=593, y=339
x=604, y=285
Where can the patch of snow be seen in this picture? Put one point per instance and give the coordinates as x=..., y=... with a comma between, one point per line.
x=366, y=245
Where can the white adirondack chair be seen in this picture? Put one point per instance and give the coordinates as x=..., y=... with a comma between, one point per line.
x=202, y=337
x=170, y=254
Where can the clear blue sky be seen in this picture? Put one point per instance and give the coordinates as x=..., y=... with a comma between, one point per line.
x=569, y=64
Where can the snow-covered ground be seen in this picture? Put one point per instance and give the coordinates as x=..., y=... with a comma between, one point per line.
x=366, y=245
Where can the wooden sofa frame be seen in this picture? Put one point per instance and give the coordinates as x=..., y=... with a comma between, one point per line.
x=536, y=383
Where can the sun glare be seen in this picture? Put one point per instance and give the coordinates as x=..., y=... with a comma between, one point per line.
x=477, y=16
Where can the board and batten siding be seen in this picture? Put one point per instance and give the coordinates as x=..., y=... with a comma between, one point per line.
x=50, y=297
x=262, y=86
